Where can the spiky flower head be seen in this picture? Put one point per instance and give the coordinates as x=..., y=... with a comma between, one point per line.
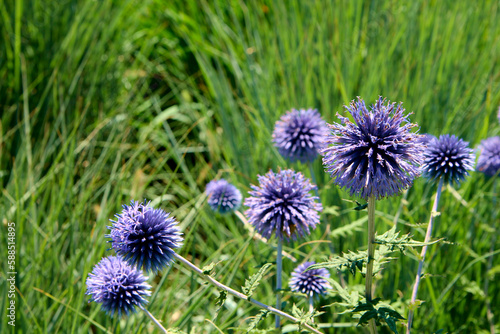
x=448, y=157
x=118, y=286
x=310, y=282
x=145, y=237
x=377, y=155
x=223, y=197
x=299, y=134
x=282, y=205
x=489, y=158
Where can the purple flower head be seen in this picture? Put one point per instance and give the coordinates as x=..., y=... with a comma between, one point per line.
x=145, y=237
x=223, y=197
x=282, y=205
x=309, y=282
x=299, y=134
x=377, y=155
x=489, y=158
x=118, y=286
x=448, y=157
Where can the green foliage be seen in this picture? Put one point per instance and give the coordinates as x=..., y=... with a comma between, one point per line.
x=391, y=240
x=107, y=101
x=252, y=326
x=349, y=229
x=305, y=317
x=379, y=312
x=253, y=282
x=219, y=302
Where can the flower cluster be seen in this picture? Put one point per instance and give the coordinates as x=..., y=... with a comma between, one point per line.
x=144, y=236
x=299, y=134
x=282, y=205
x=448, y=157
x=489, y=158
x=377, y=155
x=309, y=282
x=118, y=286
x=223, y=197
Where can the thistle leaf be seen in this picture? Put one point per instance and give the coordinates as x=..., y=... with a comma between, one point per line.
x=349, y=229
x=255, y=321
x=254, y=280
x=392, y=240
x=219, y=302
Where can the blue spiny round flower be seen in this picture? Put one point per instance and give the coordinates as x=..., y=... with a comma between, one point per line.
x=309, y=282
x=489, y=158
x=448, y=157
x=299, y=134
x=223, y=197
x=145, y=237
x=118, y=286
x=282, y=205
x=376, y=155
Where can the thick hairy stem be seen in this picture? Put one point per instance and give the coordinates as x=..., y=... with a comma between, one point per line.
x=489, y=312
x=279, y=267
x=240, y=295
x=371, y=258
x=422, y=254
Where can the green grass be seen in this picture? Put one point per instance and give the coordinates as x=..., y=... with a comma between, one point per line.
x=106, y=101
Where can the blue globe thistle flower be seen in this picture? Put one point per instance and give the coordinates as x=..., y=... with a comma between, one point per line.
x=489, y=158
x=299, y=134
x=376, y=155
x=223, y=197
x=282, y=205
x=145, y=237
x=309, y=282
x=448, y=157
x=118, y=286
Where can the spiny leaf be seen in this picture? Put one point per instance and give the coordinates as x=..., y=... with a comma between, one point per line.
x=208, y=269
x=382, y=312
x=254, y=280
x=391, y=239
x=255, y=321
x=219, y=302
x=304, y=317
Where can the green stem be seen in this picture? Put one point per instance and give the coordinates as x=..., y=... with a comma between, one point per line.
x=279, y=267
x=422, y=254
x=371, y=258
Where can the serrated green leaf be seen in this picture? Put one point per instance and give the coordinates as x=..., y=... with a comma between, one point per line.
x=254, y=280
x=219, y=302
x=392, y=240
x=255, y=321
x=365, y=317
x=208, y=269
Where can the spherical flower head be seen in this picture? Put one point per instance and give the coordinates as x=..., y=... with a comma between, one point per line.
x=145, y=237
x=377, y=155
x=448, y=157
x=118, y=286
x=300, y=134
x=489, y=157
x=311, y=282
x=223, y=197
x=282, y=205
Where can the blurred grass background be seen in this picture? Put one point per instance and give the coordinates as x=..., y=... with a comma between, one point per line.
x=106, y=101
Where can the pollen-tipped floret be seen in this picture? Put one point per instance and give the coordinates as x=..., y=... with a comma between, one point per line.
x=118, y=286
x=309, y=282
x=448, y=157
x=282, y=205
x=223, y=197
x=377, y=155
x=299, y=134
x=145, y=237
x=489, y=156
